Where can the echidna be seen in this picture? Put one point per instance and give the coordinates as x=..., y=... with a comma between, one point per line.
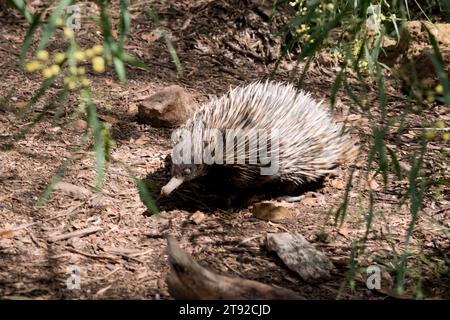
x=262, y=132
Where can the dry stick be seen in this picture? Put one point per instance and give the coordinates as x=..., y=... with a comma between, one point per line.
x=78, y=233
x=110, y=273
x=127, y=257
x=92, y=255
x=245, y=52
x=27, y=225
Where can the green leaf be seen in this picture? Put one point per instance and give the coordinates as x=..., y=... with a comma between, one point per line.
x=41, y=91
x=50, y=28
x=145, y=196
x=353, y=96
x=321, y=34
x=36, y=22
x=105, y=23
x=336, y=86
x=395, y=163
x=99, y=145
x=134, y=62
x=124, y=25
x=60, y=96
x=61, y=101
x=172, y=51
x=369, y=216
x=21, y=6
x=143, y=191
x=120, y=69
x=51, y=187
x=59, y=174
x=171, y=48
x=342, y=210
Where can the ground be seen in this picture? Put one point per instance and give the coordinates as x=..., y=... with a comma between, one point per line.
x=220, y=45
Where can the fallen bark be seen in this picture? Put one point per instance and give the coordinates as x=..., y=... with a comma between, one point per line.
x=190, y=281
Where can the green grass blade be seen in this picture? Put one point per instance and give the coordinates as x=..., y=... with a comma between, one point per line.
x=395, y=163
x=40, y=92
x=99, y=144
x=173, y=53
x=61, y=101
x=120, y=69
x=36, y=22
x=134, y=62
x=21, y=6
x=341, y=212
x=336, y=85
x=125, y=21
x=369, y=216
x=51, y=187
x=143, y=192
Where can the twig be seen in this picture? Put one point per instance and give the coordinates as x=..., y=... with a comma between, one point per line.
x=27, y=225
x=245, y=52
x=78, y=233
x=92, y=255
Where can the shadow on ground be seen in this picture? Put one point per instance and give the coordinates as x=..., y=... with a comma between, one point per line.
x=215, y=191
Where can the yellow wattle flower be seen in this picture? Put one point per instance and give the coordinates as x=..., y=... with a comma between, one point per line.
x=440, y=124
x=59, y=21
x=85, y=82
x=72, y=85
x=68, y=33
x=429, y=134
x=55, y=69
x=98, y=64
x=439, y=89
x=42, y=55
x=97, y=49
x=80, y=55
x=47, y=73
x=446, y=136
x=81, y=71
x=59, y=57
x=89, y=53
x=32, y=66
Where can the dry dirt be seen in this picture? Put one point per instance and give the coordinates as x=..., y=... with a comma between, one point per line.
x=220, y=45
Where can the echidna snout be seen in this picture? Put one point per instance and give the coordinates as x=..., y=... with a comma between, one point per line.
x=182, y=173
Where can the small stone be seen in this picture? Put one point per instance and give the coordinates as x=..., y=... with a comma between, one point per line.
x=313, y=201
x=143, y=139
x=99, y=200
x=300, y=256
x=169, y=107
x=373, y=185
x=132, y=109
x=338, y=184
x=75, y=191
x=80, y=125
x=76, y=243
x=197, y=217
